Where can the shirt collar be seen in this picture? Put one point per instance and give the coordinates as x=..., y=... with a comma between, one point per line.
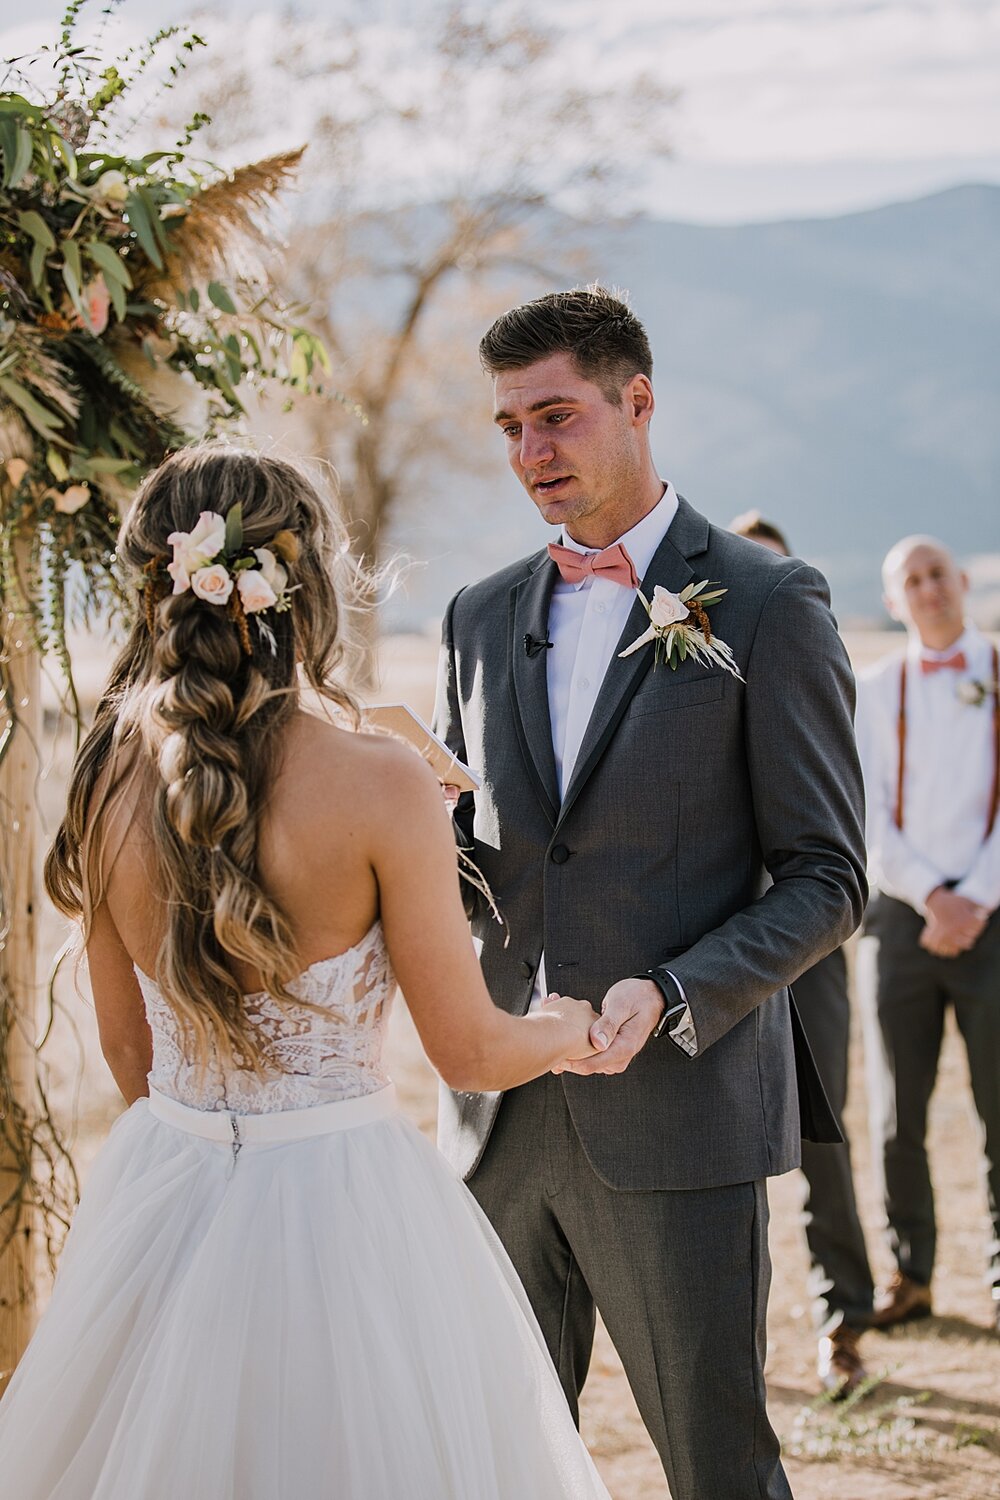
x=970, y=642
x=642, y=539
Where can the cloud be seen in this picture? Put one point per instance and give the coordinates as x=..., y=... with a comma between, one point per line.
x=902, y=92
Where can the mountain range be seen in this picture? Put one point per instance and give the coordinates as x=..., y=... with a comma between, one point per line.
x=841, y=375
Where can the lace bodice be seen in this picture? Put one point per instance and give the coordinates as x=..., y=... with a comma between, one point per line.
x=323, y=1057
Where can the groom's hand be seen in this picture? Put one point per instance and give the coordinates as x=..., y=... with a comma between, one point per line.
x=629, y=1012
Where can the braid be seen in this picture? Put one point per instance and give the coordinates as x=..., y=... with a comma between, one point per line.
x=194, y=722
x=212, y=728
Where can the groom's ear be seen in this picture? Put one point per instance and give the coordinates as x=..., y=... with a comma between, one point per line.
x=639, y=400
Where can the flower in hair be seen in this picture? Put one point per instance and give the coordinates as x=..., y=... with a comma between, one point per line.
x=195, y=549
x=212, y=562
x=213, y=584
x=262, y=587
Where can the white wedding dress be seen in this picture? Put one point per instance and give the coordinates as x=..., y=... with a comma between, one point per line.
x=281, y=1291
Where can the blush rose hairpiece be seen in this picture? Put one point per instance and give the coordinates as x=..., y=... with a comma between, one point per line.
x=212, y=562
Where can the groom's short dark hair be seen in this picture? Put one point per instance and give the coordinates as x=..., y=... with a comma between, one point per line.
x=608, y=343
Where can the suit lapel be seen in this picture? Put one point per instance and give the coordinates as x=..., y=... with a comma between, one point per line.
x=529, y=615
x=686, y=537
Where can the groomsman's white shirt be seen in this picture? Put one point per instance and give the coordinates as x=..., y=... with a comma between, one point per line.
x=949, y=776
x=586, y=620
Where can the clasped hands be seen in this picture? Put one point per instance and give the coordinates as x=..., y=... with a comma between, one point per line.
x=954, y=923
x=629, y=1012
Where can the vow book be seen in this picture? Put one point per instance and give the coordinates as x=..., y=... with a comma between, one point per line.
x=400, y=720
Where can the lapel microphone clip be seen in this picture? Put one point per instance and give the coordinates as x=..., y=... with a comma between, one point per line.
x=533, y=646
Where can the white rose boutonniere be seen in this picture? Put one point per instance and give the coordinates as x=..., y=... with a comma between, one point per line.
x=975, y=693
x=679, y=627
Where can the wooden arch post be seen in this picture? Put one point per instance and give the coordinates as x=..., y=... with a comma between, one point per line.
x=20, y=732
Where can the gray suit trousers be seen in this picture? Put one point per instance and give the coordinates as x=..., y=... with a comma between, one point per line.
x=914, y=988
x=680, y=1278
x=840, y=1277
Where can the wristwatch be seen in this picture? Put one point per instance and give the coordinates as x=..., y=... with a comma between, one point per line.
x=673, y=1005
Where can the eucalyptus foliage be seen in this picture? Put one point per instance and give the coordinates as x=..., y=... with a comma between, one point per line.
x=128, y=285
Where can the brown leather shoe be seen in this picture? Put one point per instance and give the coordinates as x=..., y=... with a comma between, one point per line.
x=901, y=1301
x=839, y=1364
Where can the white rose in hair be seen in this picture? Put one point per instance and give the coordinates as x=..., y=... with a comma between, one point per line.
x=666, y=608
x=195, y=549
x=213, y=584
x=255, y=591
x=271, y=569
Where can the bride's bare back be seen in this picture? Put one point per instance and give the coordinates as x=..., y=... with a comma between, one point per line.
x=354, y=830
x=318, y=837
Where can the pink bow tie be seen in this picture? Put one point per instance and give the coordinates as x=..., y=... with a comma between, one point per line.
x=613, y=563
x=930, y=664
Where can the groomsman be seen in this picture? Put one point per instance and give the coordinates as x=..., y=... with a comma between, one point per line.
x=929, y=735
x=839, y=1273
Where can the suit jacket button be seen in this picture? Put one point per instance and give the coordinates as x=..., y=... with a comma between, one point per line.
x=560, y=854
x=527, y=968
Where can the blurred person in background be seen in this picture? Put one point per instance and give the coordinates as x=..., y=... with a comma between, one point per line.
x=929, y=736
x=839, y=1273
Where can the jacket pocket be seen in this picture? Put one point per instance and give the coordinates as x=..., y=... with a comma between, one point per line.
x=661, y=698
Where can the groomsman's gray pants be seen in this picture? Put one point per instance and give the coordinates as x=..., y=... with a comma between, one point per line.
x=913, y=990
x=840, y=1277
x=681, y=1281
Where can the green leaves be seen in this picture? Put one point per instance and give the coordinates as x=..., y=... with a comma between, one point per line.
x=220, y=298
x=72, y=274
x=73, y=243
x=116, y=274
x=112, y=265
x=17, y=147
x=137, y=207
x=33, y=225
x=307, y=352
x=234, y=529
x=44, y=421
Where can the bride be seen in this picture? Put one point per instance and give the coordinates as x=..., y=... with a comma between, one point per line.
x=274, y=1288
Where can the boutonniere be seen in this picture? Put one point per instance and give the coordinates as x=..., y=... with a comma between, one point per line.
x=679, y=627
x=975, y=693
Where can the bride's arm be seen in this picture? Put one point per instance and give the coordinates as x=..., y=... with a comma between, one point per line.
x=472, y=1044
x=121, y=1017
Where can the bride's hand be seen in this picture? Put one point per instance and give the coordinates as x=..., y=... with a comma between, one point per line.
x=579, y=1016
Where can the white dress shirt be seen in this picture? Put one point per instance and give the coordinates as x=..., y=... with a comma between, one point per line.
x=586, y=620
x=949, y=765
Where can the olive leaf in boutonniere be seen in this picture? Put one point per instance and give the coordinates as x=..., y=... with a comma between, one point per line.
x=679, y=627
x=975, y=693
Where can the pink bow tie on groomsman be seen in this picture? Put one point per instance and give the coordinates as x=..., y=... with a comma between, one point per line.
x=613, y=563
x=929, y=664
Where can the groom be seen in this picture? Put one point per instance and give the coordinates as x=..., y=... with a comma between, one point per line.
x=671, y=842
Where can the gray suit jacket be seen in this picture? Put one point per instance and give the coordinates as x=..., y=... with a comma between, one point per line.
x=709, y=825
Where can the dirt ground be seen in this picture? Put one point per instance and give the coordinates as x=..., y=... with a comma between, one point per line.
x=928, y=1430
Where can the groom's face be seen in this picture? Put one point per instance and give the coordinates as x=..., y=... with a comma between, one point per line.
x=578, y=455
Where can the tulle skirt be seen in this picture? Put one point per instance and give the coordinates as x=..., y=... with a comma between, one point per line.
x=272, y=1315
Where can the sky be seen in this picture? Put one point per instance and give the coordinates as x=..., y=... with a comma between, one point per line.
x=796, y=108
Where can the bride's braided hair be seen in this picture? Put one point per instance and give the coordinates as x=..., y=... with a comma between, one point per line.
x=189, y=726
